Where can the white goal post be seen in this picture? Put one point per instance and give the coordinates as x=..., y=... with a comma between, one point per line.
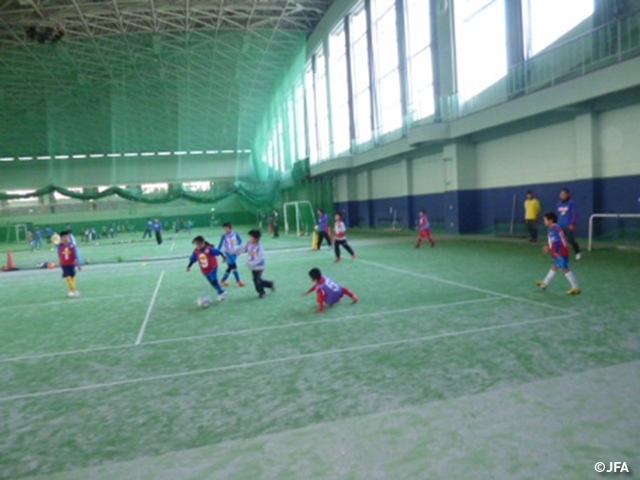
x=299, y=208
x=606, y=215
x=18, y=229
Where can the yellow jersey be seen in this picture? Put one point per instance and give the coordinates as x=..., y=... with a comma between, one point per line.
x=531, y=209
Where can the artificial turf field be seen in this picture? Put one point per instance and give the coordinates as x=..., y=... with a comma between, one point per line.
x=452, y=365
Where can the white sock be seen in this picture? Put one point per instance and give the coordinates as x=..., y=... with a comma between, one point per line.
x=549, y=277
x=572, y=280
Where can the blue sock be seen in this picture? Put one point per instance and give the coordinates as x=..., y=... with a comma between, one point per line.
x=237, y=275
x=218, y=288
x=225, y=276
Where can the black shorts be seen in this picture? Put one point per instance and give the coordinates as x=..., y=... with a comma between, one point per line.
x=68, y=271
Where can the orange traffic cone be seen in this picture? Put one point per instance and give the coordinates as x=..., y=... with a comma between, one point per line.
x=10, y=263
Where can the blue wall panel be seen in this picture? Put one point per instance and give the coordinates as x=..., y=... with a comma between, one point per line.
x=470, y=211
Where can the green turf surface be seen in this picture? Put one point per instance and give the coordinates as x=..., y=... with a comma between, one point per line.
x=451, y=363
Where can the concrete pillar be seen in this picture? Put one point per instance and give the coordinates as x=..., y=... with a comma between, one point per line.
x=460, y=187
x=444, y=58
x=587, y=167
x=411, y=208
x=515, y=47
x=354, y=213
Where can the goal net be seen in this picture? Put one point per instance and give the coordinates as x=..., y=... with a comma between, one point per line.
x=614, y=229
x=299, y=217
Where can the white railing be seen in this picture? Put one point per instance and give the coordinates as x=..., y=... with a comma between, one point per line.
x=607, y=215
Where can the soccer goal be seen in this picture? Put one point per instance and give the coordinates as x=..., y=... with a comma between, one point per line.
x=614, y=227
x=299, y=216
x=17, y=232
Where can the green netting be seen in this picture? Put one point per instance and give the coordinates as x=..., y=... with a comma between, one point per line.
x=142, y=92
x=256, y=195
x=120, y=111
x=278, y=137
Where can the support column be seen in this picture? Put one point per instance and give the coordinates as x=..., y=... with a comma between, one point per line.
x=460, y=187
x=354, y=205
x=515, y=47
x=443, y=58
x=587, y=168
x=411, y=209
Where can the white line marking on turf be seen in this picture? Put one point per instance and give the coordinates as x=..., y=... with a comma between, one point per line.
x=79, y=301
x=318, y=322
x=246, y=331
x=462, y=285
x=173, y=244
x=146, y=317
x=291, y=358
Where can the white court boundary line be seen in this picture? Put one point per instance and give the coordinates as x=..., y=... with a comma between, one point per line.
x=305, y=356
x=79, y=301
x=148, y=315
x=23, y=277
x=246, y=331
x=462, y=285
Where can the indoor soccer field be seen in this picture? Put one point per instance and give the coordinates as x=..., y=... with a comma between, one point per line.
x=453, y=363
x=507, y=131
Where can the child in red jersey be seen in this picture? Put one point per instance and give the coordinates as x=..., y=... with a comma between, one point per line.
x=69, y=261
x=424, y=229
x=327, y=291
x=205, y=255
x=559, y=250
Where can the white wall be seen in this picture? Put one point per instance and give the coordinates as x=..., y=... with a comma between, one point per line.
x=541, y=155
x=595, y=145
x=428, y=175
x=341, y=188
x=362, y=186
x=619, y=141
x=389, y=181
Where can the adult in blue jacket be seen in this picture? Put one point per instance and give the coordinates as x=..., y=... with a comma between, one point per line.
x=568, y=218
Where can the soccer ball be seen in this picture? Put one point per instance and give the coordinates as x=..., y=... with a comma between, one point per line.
x=204, y=301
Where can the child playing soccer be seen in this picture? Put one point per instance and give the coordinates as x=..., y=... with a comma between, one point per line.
x=231, y=241
x=340, y=230
x=256, y=263
x=559, y=251
x=69, y=261
x=424, y=229
x=323, y=229
x=205, y=254
x=327, y=291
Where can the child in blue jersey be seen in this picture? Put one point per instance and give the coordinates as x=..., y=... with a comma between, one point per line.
x=229, y=243
x=567, y=209
x=559, y=250
x=255, y=261
x=323, y=228
x=327, y=291
x=205, y=255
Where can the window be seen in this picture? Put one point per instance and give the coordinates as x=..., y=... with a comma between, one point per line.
x=59, y=196
x=360, y=75
x=291, y=129
x=309, y=89
x=197, y=186
x=481, y=45
x=322, y=106
x=385, y=51
x=301, y=130
x=545, y=21
x=339, y=92
x=148, y=188
x=23, y=200
x=420, y=70
x=279, y=140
